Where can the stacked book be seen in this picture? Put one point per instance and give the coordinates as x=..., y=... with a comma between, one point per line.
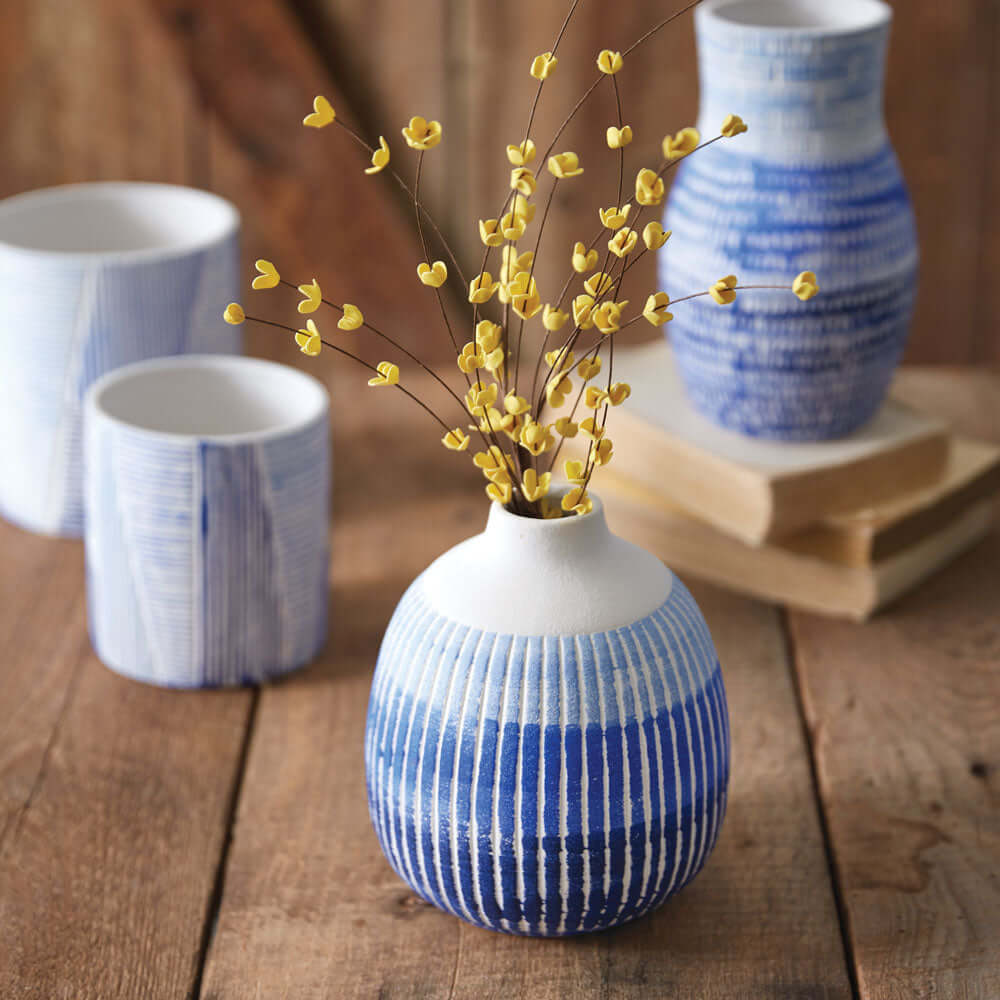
x=840, y=527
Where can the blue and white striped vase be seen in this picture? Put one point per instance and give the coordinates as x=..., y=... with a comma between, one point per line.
x=813, y=185
x=547, y=748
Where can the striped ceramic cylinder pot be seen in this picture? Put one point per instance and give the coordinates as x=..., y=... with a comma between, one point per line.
x=547, y=748
x=813, y=185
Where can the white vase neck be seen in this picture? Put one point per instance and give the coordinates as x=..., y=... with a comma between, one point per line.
x=525, y=576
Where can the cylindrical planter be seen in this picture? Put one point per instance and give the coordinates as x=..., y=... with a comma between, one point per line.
x=547, y=748
x=94, y=276
x=207, y=503
x=813, y=185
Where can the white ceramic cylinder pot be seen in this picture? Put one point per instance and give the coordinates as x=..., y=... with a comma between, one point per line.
x=207, y=519
x=94, y=276
x=547, y=746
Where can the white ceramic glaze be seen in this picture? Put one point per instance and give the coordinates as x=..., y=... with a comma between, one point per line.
x=581, y=577
x=94, y=276
x=207, y=503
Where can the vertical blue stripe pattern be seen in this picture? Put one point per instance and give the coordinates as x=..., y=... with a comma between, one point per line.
x=66, y=322
x=813, y=185
x=547, y=785
x=207, y=563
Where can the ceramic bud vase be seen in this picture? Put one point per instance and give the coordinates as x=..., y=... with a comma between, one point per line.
x=547, y=747
x=813, y=185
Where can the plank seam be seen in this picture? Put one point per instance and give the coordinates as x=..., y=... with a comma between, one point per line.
x=219, y=879
x=14, y=824
x=836, y=876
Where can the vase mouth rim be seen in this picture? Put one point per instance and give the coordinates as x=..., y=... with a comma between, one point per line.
x=501, y=514
x=800, y=18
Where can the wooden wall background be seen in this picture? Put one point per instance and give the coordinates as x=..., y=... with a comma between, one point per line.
x=211, y=93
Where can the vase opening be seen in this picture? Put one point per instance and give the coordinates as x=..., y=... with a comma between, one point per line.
x=803, y=15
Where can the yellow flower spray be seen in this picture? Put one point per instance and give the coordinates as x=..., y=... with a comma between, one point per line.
x=521, y=440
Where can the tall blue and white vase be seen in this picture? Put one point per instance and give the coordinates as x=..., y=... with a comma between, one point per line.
x=547, y=747
x=813, y=185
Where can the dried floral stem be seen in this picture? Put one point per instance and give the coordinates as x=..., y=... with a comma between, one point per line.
x=360, y=361
x=412, y=195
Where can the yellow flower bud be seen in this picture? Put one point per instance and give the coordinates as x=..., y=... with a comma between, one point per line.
x=557, y=389
x=512, y=227
x=543, y=66
x=352, y=318
x=564, y=165
x=723, y=290
x=380, y=157
x=577, y=501
x=607, y=316
x=388, y=374
x=618, y=393
x=655, y=309
x=422, y=134
x=523, y=180
x=481, y=288
x=588, y=368
x=600, y=451
x=583, y=259
x=489, y=232
x=594, y=398
x=609, y=62
x=654, y=235
x=732, y=125
x=434, y=275
x=478, y=400
x=575, y=471
x=648, y=187
x=313, y=297
x=521, y=154
x=268, y=276
x=590, y=429
x=599, y=283
x=456, y=440
x=471, y=358
x=234, y=314
x=553, y=319
x=492, y=462
x=500, y=492
x=565, y=427
x=322, y=113
x=582, y=307
x=537, y=437
x=488, y=335
x=619, y=138
x=559, y=359
x=522, y=208
x=683, y=142
x=535, y=486
x=614, y=217
x=805, y=285
x=494, y=359
x=623, y=242
x=308, y=339
x=515, y=404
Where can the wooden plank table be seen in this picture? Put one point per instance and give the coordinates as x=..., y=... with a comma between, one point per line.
x=170, y=844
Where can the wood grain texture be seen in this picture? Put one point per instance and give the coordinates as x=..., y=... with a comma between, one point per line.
x=906, y=737
x=312, y=909
x=115, y=800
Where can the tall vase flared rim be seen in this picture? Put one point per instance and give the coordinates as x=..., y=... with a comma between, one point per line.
x=796, y=18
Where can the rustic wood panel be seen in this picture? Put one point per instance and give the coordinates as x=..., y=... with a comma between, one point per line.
x=311, y=907
x=939, y=72
x=115, y=800
x=906, y=737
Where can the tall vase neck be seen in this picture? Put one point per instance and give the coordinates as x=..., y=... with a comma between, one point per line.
x=807, y=76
